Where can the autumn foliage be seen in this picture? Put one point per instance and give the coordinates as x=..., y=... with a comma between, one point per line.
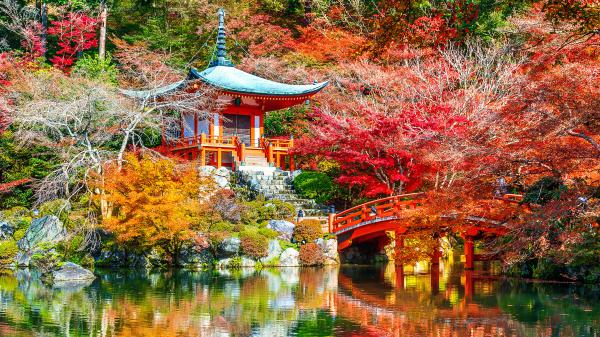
x=76, y=32
x=311, y=255
x=154, y=203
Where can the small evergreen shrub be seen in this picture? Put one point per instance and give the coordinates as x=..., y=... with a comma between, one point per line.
x=307, y=231
x=254, y=245
x=258, y=212
x=311, y=255
x=544, y=190
x=8, y=251
x=315, y=185
x=92, y=67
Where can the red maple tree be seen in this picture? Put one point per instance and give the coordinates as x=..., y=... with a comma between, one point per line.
x=76, y=32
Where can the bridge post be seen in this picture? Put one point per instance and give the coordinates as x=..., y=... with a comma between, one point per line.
x=469, y=252
x=435, y=279
x=330, y=219
x=399, y=276
x=436, y=254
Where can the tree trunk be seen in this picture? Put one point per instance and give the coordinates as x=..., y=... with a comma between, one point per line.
x=44, y=15
x=102, y=42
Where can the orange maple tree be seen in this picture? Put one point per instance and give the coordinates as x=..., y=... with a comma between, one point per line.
x=154, y=203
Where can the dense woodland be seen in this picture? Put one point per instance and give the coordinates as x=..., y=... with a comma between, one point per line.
x=460, y=99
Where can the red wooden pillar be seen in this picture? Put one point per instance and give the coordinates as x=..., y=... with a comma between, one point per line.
x=435, y=278
x=292, y=166
x=436, y=254
x=330, y=220
x=469, y=252
x=469, y=284
x=399, y=276
x=195, y=125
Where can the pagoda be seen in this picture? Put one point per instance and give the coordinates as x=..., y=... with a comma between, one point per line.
x=234, y=136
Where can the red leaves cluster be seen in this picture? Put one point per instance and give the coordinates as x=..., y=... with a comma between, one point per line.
x=76, y=32
x=431, y=31
x=379, y=152
x=32, y=42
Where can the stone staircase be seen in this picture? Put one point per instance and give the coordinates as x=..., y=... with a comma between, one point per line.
x=279, y=185
x=256, y=160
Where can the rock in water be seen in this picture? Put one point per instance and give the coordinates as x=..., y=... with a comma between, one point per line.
x=330, y=252
x=229, y=247
x=274, y=252
x=72, y=272
x=284, y=228
x=44, y=230
x=289, y=258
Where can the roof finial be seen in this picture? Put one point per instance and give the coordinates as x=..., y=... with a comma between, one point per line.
x=221, y=47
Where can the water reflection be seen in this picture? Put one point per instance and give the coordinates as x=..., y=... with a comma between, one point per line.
x=349, y=301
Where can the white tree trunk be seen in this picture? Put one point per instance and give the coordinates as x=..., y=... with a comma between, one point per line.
x=102, y=42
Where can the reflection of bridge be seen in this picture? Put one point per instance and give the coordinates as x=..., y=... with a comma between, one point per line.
x=372, y=220
x=396, y=313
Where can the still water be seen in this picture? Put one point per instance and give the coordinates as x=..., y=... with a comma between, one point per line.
x=346, y=301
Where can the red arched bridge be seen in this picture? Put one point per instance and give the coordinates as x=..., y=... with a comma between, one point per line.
x=372, y=220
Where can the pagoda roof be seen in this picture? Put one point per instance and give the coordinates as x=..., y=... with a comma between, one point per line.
x=222, y=75
x=231, y=79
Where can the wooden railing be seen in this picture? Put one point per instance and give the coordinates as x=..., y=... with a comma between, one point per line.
x=487, y=210
x=203, y=140
x=281, y=143
x=386, y=207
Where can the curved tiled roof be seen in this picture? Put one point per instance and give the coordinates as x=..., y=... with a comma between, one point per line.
x=235, y=80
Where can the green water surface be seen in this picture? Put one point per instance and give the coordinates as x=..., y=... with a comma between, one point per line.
x=346, y=301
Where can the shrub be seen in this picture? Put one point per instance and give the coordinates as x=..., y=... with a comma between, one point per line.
x=311, y=255
x=92, y=67
x=307, y=231
x=268, y=233
x=254, y=244
x=544, y=190
x=8, y=251
x=260, y=211
x=315, y=185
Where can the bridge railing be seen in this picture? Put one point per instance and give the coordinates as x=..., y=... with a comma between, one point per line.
x=381, y=208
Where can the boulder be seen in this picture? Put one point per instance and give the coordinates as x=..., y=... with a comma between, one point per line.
x=229, y=247
x=283, y=227
x=330, y=251
x=42, y=231
x=274, y=252
x=222, y=177
x=195, y=258
x=289, y=258
x=71, y=273
x=296, y=173
x=6, y=230
x=230, y=263
x=119, y=258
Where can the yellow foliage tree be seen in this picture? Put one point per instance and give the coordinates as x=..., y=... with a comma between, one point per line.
x=155, y=203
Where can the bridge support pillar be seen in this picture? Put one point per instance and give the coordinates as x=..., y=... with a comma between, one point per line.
x=436, y=254
x=435, y=278
x=469, y=252
x=399, y=276
x=469, y=284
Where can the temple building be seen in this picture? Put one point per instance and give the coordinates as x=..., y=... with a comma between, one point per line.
x=234, y=136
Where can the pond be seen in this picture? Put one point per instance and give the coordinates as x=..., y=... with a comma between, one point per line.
x=344, y=301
